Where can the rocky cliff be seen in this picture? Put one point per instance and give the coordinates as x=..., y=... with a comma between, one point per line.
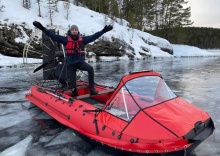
x=12, y=41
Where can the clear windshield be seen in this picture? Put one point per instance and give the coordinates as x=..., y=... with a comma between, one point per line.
x=137, y=94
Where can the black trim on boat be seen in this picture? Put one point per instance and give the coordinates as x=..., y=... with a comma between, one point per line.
x=93, y=110
x=134, y=72
x=201, y=130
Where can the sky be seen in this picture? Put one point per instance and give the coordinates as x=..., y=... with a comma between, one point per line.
x=205, y=13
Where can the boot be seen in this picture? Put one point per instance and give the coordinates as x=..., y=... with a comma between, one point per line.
x=93, y=91
x=74, y=93
x=68, y=86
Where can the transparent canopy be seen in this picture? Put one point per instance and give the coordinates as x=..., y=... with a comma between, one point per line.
x=139, y=93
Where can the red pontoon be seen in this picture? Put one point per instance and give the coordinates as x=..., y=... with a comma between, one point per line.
x=140, y=115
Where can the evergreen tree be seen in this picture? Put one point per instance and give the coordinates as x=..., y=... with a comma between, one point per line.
x=128, y=9
x=144, y=14
x=131, y=19
x=113, y=8
x=174, y=14
x=125, y=9
x=103, y=6
x=138, y=14
x=95, y=5
x=157, y=13
x=148, y=15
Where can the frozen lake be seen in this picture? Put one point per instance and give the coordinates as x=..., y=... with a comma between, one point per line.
x=27, y=130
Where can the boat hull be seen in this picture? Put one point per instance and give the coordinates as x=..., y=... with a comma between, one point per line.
x=82, y=117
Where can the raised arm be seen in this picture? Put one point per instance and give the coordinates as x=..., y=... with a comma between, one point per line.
x=89, y=39
x=56, y=38
x=51, y=34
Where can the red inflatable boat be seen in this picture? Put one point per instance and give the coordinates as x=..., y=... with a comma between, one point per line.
x=140, y=115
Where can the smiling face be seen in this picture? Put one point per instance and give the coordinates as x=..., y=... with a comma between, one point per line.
x=74, y=31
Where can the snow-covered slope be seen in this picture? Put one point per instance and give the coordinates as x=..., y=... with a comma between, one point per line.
x=88, y=22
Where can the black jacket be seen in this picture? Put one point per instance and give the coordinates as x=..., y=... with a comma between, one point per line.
x=76, y=57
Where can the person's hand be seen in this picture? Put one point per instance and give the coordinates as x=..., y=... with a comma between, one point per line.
x=38, y=25
x=107, y=28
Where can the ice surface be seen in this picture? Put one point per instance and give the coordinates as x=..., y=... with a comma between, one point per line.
x=64, y=137
x=18, y=149
x=9, y=118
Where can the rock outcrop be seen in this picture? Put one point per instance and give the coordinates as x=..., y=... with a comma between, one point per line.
x=12, y=42
x=114, y=48
x=8, y=44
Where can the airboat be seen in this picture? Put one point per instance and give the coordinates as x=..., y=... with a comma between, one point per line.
x=140, y=115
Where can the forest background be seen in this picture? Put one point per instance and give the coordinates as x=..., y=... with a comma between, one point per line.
x=169, y=19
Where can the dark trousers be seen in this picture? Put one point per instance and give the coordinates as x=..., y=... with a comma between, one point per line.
x=71, y=73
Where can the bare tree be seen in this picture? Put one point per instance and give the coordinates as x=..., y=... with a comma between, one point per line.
x=26, y=4
x=39, y=11
x=55, y=5
x=51, y=10
x=66, y=6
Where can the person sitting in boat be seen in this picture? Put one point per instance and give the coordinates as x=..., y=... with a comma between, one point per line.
x=74, y=44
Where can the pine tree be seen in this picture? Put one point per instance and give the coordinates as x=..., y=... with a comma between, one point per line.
x=174, y=14
x=95, y=5
x=139, y=13
x=125, y=9
x=103, y=7
x=153, y=15
x=128, y=9
x=113, y=8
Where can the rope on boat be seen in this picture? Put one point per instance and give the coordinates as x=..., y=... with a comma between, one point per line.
x=60, y=97
x=185, y=150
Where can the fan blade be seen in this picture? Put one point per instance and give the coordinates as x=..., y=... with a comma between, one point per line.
x=42, y=66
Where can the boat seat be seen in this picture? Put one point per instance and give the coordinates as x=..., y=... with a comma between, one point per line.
x=100, y=92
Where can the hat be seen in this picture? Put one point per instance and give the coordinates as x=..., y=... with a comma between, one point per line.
x=74, y=27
